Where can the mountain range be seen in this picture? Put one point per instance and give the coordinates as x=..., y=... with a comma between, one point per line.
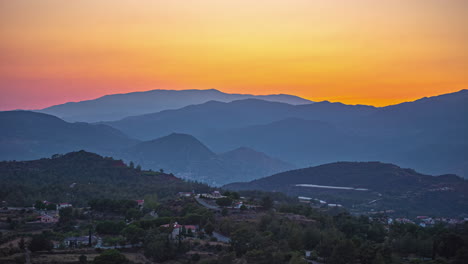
x=252, y=138
x=187, y=157
x=370, y=187
x=428, y=134
x=117, y=106
x=28, y=135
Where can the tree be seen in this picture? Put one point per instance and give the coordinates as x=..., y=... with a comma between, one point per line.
x=66, y=215
x=209, y=228
x=297, y=259
x=240, y=240
x=224, y=201
x=111, y=256
x=195, y=257
x=39, y=243
x=132, y=165
x=379, y=259
x=22, y=244
x=235, y=195
x=311, y=238
x=133, y=214
x=83, y=259
x=39, y=205
x=267, y=203
x=51, y=207
x=110, y=227
x=343, y=253
x=133, y=234
x=158, y=247
x=449, y=244
x=224, y=212
x=151, y=201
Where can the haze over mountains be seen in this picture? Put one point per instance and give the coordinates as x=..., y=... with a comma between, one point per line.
x=29, y=135
x=26, y=135
x=251, y=138
x=117, y=106
x=428, y=134
x=187, y=157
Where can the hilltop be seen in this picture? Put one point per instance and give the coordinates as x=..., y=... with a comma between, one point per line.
x=370, y=186
x=78, y=177
x=117, y=106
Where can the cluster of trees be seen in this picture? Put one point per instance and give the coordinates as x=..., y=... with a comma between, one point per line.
x=278, y=238
x=111, y=256
x=81, y=177
x=341, y=239
x=40, y=205
x=39, y=242
x=109, y=205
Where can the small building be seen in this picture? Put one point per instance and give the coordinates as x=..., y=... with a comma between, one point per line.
x=47, y=219
x=178, y=229
x=238, y=205
x=216, y=194
x=303, y=199
x=63, y=205
x=79, y=241
x=140, y=203
x=184, y=194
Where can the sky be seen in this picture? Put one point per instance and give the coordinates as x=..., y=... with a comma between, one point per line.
x=352, y=51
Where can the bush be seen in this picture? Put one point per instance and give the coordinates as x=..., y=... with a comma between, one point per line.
x=111, y=256
x=83, y=259
x=39, y=243
x=225, y=201
x=195, y=257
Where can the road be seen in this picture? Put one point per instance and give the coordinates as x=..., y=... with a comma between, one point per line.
x=205, y=204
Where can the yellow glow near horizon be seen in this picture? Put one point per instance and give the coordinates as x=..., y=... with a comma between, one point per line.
x=357, y=52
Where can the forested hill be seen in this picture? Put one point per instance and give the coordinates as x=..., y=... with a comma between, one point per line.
x=377, y=185
x=78, y=177
x=376, y=176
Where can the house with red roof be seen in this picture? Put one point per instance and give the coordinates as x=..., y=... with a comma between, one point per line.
x=47, y=219
x=179, y=229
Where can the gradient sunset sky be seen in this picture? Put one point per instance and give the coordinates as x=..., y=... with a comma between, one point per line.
x=376, y=52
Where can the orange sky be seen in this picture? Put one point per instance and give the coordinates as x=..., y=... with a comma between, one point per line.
x=357, y=52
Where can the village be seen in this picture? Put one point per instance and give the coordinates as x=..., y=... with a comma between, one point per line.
x=196, y=223
x=91, y=229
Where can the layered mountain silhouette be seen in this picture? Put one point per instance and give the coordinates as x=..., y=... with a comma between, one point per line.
x=118, y=106
x=370, y=186
x=428, y=134
x=28, y=135
x=187, y=157
x=203, y=119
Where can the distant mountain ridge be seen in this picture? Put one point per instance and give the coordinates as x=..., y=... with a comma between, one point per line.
x=29, y=135
x=117, y=106
x=187, y=157
x=380, y=186
x=428, y=134
x=205, y=118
